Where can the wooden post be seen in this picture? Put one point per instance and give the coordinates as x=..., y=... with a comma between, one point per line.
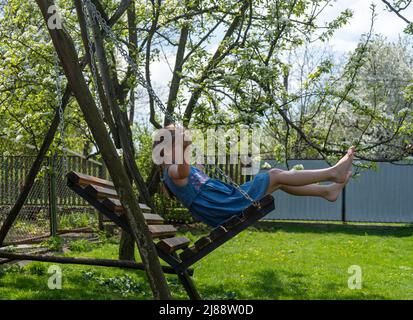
x=67, y=53
x=81, y=261
x=53, y=196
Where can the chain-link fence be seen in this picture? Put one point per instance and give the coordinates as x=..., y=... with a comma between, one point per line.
x=51, y=207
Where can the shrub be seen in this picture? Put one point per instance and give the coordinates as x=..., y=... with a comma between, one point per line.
x=53, y=243
x=7, y=269
x=81, y=246
x=120, y=284
x=36, y=268
x=75, y=220
x=172, y=210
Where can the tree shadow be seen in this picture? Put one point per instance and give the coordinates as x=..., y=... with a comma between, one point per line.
x=200, y=229
x=273, y=285
x=318, y=228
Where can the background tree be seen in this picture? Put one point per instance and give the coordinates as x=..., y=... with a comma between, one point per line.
x=230, y=64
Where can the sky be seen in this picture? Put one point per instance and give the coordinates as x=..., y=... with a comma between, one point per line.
x=387, y=23
x=344, y=40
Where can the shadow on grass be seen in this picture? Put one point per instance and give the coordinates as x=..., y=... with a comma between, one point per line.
x=74, y=287
x=317, y=228
x=200, y=229
x=270, y=285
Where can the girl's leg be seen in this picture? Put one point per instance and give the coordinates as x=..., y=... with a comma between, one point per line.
x=337, y=173
x=329, y=192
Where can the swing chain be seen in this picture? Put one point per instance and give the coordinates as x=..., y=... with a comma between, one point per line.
x=96, y=16
x=229, y=180
x=59, y=98
x=92, y=63
x=139, y=76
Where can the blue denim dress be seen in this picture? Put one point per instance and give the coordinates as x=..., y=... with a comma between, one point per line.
x=213, y=201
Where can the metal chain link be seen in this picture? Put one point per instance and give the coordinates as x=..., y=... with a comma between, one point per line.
x=59, y=98
x=96, y=16
x=92, y=58
x=139, y=76
x=228, y=179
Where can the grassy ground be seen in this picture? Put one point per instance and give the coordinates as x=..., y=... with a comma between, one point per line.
x=292, y=262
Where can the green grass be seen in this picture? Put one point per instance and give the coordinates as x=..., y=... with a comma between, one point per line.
x=292, y=262
x=76, y=220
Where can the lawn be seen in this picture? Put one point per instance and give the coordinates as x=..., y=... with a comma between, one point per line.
x=269, y=262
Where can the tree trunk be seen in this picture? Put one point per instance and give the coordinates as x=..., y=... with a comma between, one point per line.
x=102, y=97
x=121, y=121
x=220, y=53
x=177, y=74
x=67, y=53
x=126, y=244
x=126, y=247
x=133, y=42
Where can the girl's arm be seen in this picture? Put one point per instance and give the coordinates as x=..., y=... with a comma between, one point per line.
x=179, y=171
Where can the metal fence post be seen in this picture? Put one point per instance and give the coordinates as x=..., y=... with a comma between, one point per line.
x=343, y=206
x=53, y=196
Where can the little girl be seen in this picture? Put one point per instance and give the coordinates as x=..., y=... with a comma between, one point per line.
x=213, y=201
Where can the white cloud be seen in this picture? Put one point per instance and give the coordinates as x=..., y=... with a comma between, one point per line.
x=386, y=23
x=160, y=72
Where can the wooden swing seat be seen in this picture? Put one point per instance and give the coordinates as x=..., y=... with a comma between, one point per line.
x=174, y=250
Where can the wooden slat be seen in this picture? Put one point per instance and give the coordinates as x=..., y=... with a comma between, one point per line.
x=232, y=222
x=84, y=180
x=170, y=245
x=100, y=192
x=162, y=231
x=252, y=211
x=153, y=218
x=115, y=205
x=98, y=205
x=218, y=232
x=105, y=219
x=149, y=217
x=188, y=253
x=202, y=242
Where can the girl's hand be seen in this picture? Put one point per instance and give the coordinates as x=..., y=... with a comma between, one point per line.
x=179, y=173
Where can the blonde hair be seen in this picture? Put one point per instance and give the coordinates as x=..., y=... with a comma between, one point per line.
x=173, y=129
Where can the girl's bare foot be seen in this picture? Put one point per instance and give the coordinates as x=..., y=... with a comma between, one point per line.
x=341, y=169
x=334, y=190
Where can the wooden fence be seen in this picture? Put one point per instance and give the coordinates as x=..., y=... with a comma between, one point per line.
x=13, y=170
x=51, y=204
